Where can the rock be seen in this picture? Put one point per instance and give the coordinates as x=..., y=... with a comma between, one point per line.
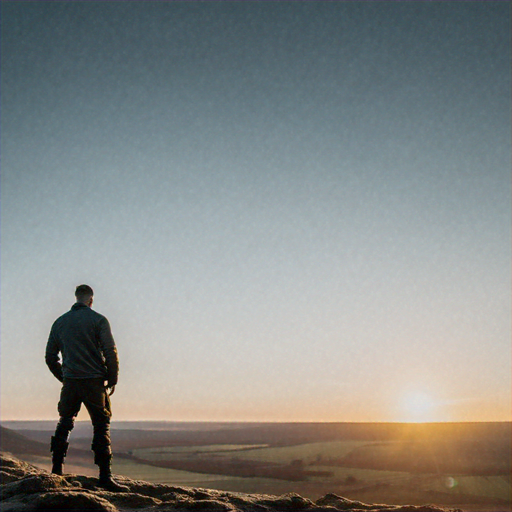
x=340, y=503
x=33, y=484
x=72, y=501
x=26, y=488
x=288, y=502
x=132, y=500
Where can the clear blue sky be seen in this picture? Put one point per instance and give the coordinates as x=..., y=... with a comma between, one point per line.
x=287, y=210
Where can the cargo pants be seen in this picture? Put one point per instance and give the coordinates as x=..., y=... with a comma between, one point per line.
x=93, y=394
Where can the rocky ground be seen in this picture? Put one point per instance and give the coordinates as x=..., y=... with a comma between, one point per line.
x=25, y=488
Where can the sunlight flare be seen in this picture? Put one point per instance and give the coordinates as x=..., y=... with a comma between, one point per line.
x=418, y=407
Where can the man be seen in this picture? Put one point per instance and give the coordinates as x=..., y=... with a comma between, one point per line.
x=89, y=360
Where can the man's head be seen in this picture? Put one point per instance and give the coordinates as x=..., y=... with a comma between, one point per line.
x=84, y=293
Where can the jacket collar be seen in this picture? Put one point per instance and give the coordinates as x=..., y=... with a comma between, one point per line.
x=79, y=305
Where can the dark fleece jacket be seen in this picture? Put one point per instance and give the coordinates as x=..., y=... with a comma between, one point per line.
x=85, y=340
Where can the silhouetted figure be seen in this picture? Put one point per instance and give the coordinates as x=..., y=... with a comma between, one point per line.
x=88, y=373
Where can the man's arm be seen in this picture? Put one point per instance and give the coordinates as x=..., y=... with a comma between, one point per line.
x=52, y=356
x=108, y=347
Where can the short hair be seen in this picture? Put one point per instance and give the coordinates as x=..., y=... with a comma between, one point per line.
x=83, y=293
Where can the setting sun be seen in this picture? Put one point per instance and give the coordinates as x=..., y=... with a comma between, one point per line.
x=419, y=407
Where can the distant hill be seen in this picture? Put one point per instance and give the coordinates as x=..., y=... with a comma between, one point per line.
x=17, y=444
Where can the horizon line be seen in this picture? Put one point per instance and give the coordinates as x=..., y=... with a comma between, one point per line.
x=310, y=422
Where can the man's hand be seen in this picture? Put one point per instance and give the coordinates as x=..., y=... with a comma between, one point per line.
x=111, y=390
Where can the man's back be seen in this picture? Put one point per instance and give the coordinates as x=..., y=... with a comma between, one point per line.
x=84, y=338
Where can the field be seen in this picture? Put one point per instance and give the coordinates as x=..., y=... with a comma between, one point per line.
x=459, y=465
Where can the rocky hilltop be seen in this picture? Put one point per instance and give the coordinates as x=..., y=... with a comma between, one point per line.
x=26, y=488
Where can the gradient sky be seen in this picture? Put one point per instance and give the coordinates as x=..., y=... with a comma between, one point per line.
x=289, y=211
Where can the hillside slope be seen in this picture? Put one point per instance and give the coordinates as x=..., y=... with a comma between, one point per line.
x=24, y=488
x=11, y=441
x=20, y=445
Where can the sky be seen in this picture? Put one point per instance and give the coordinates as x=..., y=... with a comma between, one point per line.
x=288, y=211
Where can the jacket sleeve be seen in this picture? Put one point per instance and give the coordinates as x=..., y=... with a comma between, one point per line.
x=108, y=347
x=52, y=356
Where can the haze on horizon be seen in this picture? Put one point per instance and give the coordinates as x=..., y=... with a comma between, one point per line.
x=289, y=211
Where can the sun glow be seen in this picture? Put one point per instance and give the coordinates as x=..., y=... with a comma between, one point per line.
x=418, y=407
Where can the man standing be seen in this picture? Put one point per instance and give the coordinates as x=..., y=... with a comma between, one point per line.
x=88, y=373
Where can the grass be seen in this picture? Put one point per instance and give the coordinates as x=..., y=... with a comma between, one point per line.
x=319, y=456
x=163, y=452
x=490, y=486
x=308, y=453
x=139, y=471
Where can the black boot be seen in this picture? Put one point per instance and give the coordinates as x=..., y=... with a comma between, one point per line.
x=59, y=449
x=104, y=461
